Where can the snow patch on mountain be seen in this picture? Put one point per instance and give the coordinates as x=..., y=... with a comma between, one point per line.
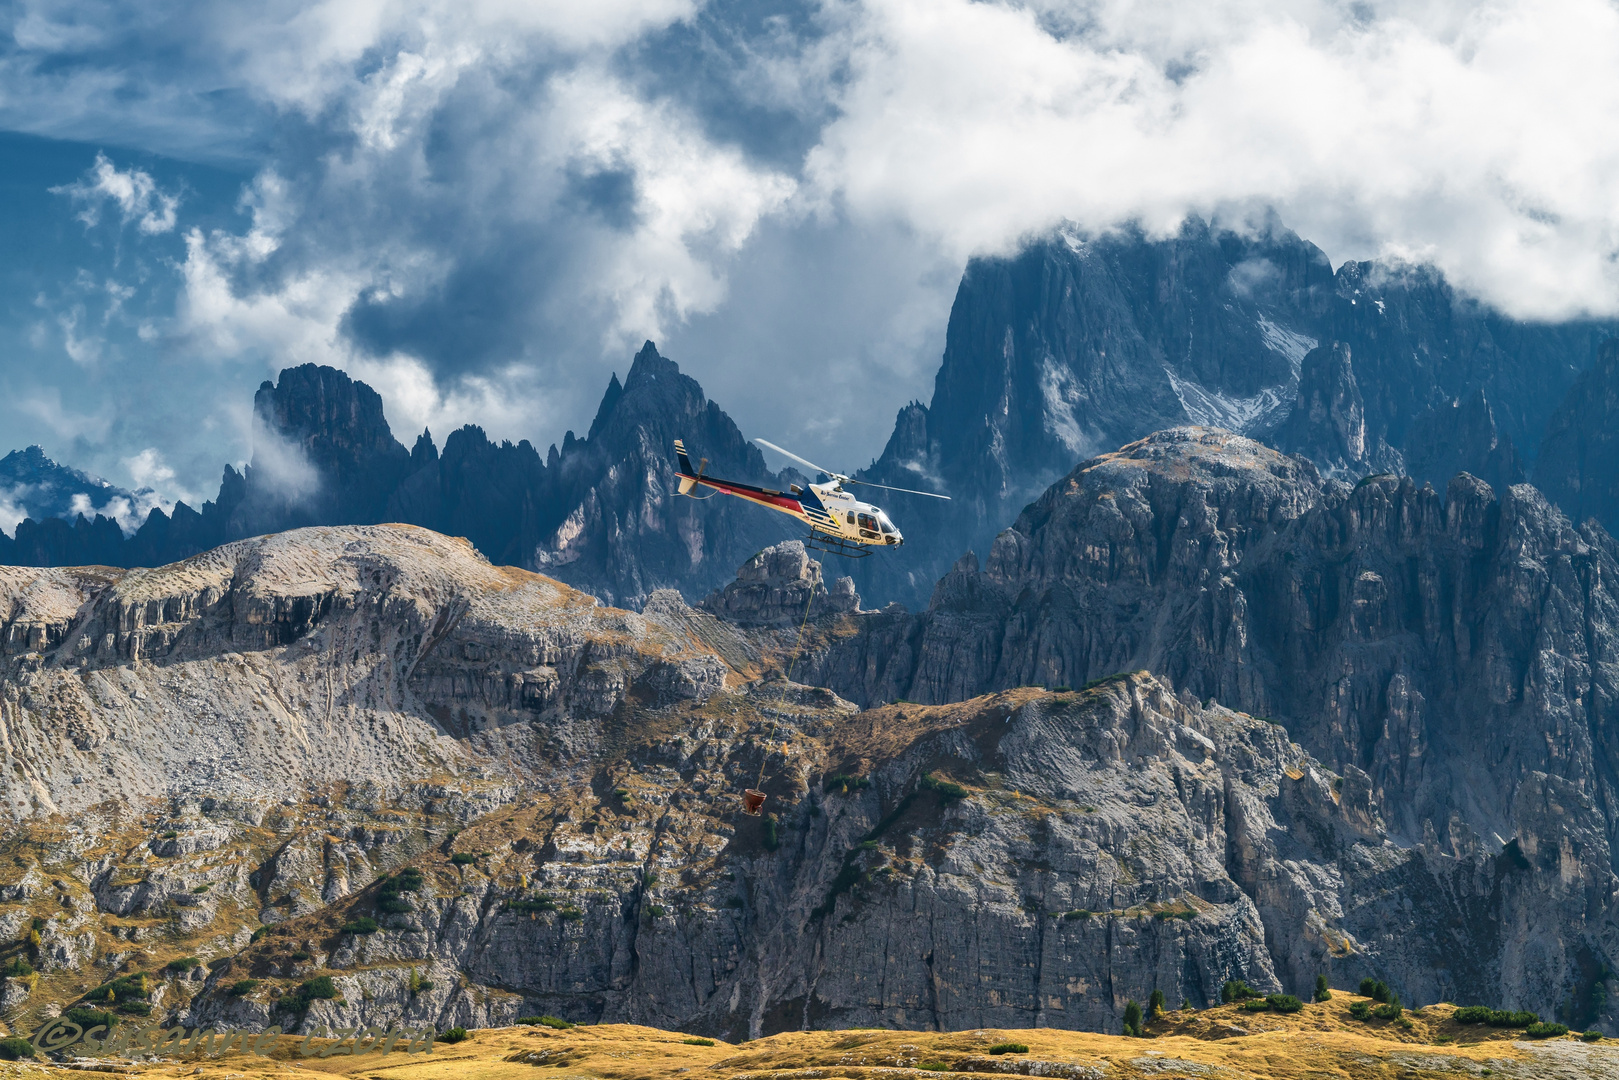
x=1287, y=342
x=1061, y=393
x=1214, y=408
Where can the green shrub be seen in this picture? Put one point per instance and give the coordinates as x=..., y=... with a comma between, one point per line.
x=1132, y=1019
x=844, y=783
x=1284, y=1003
x=1322, y=993
x=301, y=955
x=365, y=924
x=555, y=1022
x=1592, y=1035
x=258, y=935
x=527, y=907
x=183, y=964
x=1472, y=1014
x=320, y=986
x=1378, y=990
x=17, y=967
x=1502, y=1018
x=171, y=835
x=1545, y=1030
x=1236, y=990
x=124, y=990
x=134, y=1007
x=454, y=1035
x=944, y=788
x=569, y=913
x=461, y=858
x=1388, y=1011
x=1360, y=1010
x=772, y=837
x=88, y=1018
x=698, y=1042
x=1077, y=913
x=389, y=902
x=933, y=1066
x=657, y=911
x=15, y=1049
x=1011, y=1047
x=243, y=987
x=1255, y=1005
x=1155, y=1005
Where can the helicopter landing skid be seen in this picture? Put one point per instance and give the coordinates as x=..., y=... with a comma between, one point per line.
x=834, y=545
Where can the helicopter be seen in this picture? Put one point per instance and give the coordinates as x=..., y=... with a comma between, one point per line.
x=839, y=523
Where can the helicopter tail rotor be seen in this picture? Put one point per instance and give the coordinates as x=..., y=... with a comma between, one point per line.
x=691, y=476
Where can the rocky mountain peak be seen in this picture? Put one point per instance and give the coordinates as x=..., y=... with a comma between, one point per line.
x=781, y=586
x=619, y=527
x=337, y=421
x=323, y=453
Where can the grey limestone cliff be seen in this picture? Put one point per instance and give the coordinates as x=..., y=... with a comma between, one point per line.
x=267, y=734
x=781, y=586
x=1458, y=651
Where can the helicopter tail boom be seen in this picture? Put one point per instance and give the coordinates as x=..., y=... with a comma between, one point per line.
x=691, y=478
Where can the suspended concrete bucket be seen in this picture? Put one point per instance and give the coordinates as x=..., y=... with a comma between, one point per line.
x=752, y=802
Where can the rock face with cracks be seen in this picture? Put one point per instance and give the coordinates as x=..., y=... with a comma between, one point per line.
x=1454, y=656
x=467, y=793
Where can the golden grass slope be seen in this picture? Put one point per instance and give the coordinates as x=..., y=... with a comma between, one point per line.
x=1224, y=1043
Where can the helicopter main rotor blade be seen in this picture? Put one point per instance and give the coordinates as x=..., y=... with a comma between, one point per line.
x=795, y=457
x=908, y=491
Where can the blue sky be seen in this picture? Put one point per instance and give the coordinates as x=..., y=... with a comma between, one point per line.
x=482, y=209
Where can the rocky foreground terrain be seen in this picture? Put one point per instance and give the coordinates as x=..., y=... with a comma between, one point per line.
x=1202, y=715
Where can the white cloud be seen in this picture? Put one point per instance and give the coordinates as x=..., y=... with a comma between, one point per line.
x=148, y=468
x=1457, y=133
x=134, y=192
x=280, y=466
x=12, y=510
x=373, y=224
x=514, y=165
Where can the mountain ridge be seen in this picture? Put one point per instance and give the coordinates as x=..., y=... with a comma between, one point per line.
x=1075, y=344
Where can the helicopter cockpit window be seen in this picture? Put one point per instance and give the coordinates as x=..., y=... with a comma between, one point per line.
x=887, y=526
x=868, y=524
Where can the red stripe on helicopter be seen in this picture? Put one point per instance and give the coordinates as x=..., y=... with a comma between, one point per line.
x=771, y=498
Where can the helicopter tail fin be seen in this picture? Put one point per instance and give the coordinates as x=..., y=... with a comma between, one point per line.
x=687, y=482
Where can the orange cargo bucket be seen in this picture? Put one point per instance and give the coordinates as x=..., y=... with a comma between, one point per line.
x=752, y=802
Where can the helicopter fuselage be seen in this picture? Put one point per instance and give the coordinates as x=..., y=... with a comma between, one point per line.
x=827, y=509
